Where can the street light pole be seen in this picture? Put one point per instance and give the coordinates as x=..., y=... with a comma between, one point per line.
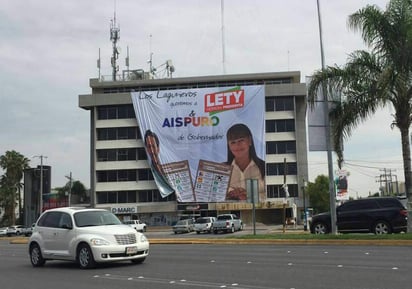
x=70, y=187
x=332, y=193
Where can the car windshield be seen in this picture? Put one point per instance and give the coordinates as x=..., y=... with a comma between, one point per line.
x=224, y=217
x=202, y=221
x=181, y=222
x=95, y=218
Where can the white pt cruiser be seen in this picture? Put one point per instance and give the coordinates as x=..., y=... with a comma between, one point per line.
x=86, y=236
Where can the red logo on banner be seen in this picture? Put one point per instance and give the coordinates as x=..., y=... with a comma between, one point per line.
x=224, y=100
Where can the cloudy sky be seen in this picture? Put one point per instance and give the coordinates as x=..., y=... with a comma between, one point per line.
x=49, y=48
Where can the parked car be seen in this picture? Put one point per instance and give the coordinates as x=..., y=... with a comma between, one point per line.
x=27, y=231
x=204, y=224
x=3, y=231
x=15, y=230
x=86, y=236
x=137, y=225
x=227, y=223
x=184, y=226
x=378, y=215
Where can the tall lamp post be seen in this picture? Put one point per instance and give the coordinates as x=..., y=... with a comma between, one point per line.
x=69, y=177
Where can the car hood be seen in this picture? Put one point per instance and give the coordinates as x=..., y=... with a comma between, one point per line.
x=180, y=226
x=321, y=214
x=108, y=230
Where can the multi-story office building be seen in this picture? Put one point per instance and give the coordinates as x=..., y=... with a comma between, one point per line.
x=37, y=182
x=121, y=179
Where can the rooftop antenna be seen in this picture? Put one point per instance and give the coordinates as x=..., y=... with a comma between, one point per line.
x=114, y=37
x=152, y=69
x=99, y=63
x=222, y=6
x=127, y=58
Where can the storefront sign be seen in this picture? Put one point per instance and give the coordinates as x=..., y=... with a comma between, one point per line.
x=123, y=210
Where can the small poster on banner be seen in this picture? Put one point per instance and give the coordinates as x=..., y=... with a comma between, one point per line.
x=178, y=174
x=212, y=181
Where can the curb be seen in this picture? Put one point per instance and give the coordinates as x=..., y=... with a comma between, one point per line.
x=233, y=241
x=282, y=242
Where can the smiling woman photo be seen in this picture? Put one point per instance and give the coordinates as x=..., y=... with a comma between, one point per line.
x=241, y=155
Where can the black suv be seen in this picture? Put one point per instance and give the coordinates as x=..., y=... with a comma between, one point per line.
x=380, y=215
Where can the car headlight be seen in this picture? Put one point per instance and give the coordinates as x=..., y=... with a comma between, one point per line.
x=98, y=242
x=143, y=238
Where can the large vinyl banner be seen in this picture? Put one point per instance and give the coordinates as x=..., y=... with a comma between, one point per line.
x=204, y=143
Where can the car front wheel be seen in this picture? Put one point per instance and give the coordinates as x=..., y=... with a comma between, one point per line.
x=85, y=257
x=36, y=257
x=381, y=228
x=320, y=228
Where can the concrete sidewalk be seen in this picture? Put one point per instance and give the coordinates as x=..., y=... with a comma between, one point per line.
x=259, y=227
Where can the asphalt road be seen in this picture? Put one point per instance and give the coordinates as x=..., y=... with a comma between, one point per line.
x=222, y=266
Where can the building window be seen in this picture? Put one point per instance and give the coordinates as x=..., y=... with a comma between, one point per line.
x=116, y=197
x=148, y=196
x=144, y=174
x=280, y=125
x=115, y=112
x=283, y=103
x=145, y=196
x=111, y=155
x=277, y=191
x=281, y=147
x=131, y=196
x=116, y=176
x=278, y=169
x=141, y=154
x=118, y=133
x=112, y=197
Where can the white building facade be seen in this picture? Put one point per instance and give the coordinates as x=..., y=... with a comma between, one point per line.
x=121, y=178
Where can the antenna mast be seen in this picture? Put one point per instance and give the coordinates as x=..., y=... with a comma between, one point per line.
x=114, y=37
x=152, y=70
x=222, y=6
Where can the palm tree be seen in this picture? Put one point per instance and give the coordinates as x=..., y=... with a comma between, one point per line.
x=372, y=80
x=14, y=165
x=6, y=201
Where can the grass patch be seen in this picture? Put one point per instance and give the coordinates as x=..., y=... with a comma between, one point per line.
x=306, y=236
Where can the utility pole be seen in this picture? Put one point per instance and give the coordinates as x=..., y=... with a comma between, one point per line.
x=285, y=188
x=332, y=192
x=69, y=177
x=386, y=179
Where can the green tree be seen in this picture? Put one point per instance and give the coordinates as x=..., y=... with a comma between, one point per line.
x=6, y=200
x=372, y=80
x=77, y=189
x=14, y=164
x=319, y=194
